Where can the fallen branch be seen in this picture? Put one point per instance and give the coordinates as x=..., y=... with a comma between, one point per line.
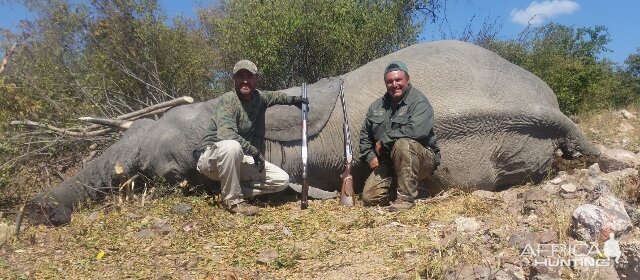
x=63, y=131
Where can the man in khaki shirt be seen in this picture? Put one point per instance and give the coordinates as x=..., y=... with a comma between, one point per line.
x=231, y=147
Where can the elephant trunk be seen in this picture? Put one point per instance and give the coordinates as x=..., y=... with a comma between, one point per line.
x=54, y=206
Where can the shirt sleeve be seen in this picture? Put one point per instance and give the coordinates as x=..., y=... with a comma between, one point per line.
x=366, y=140
x=419, y=124
x=277, y=98
x=227, y=123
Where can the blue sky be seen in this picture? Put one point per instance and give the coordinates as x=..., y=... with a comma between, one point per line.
x=620, y=17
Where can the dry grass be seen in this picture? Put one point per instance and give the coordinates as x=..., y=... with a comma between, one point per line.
x=325, y=241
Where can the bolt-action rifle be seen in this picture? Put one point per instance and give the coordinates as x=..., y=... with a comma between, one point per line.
x=346, y=189
x=304, y=203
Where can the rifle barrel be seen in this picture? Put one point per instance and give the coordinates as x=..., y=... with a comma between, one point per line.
x=304, y=203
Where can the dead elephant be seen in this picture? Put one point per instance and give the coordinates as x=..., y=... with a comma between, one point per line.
x=497, y=125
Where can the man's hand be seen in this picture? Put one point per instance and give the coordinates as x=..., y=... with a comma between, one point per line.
x=373, y=163
x=258, y=160
x=298, y=101
x=378, y=147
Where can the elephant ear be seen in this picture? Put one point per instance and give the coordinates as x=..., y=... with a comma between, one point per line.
x=284, y=123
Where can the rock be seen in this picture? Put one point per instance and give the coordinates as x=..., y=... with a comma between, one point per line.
x=521, y=239
x=536, y=195
x=594, y=170
x=466, y=224
x=145, y=233
x=547, y=237
x=534, y=198
x=589, y=185
x=164, y=227
x=625, y=127
x=267, y=227
x=556, y=181
x=634, y=214
x=627, y=115
x=609, y=201
x=469, y=273
x=568, y=188
x=604, y=272
x=510, y=272
x=542, y=272
x=628, y=266
x=616, y=159
x=484, y=194
x=551, y=188
x=594, y=223
x=267, y=256
x=182, y=208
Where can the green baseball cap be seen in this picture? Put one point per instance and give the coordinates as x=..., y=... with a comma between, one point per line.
x=395, y=66
x=245, y=64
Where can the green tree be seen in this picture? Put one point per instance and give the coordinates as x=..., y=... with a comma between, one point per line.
x=293, y=41
x=633, y=64
x=567, y=59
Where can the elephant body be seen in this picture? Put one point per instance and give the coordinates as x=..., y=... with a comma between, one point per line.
x=497, y=126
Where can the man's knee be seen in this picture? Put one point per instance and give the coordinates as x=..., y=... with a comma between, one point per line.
x=402, y=145
x=374, y=200
x=279, y=179
x=375, y=194
x=283, y=182
x=229, y=148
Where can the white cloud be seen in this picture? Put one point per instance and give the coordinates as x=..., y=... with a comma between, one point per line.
x=538, y=12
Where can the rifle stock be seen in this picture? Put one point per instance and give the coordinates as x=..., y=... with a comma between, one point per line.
x=346, y=188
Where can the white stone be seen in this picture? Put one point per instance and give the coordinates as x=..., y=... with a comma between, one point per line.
x=466, y=224
x=568, y=188
x=556, y=181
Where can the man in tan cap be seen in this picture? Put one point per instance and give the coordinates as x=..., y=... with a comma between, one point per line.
x=231, y=146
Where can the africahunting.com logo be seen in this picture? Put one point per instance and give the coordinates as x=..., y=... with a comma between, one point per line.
x=577, y=254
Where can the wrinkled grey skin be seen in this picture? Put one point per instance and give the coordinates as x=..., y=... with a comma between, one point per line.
x=497, y=125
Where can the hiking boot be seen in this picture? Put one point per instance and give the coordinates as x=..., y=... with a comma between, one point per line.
x=243, y=208
x=400, y=205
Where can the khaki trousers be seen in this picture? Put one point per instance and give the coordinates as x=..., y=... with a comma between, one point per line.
x=409, y=164
x=238, y=176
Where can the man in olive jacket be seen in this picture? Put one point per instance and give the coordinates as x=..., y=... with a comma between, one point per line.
x=231, y=147
x=398, y=142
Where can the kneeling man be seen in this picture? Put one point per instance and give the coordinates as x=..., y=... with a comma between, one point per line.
x=398, y=142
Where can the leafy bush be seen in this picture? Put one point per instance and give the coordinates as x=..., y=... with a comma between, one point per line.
x=567, y=59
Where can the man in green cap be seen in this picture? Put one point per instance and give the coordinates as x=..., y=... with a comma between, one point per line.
x=398, y=142
x=231, y=148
